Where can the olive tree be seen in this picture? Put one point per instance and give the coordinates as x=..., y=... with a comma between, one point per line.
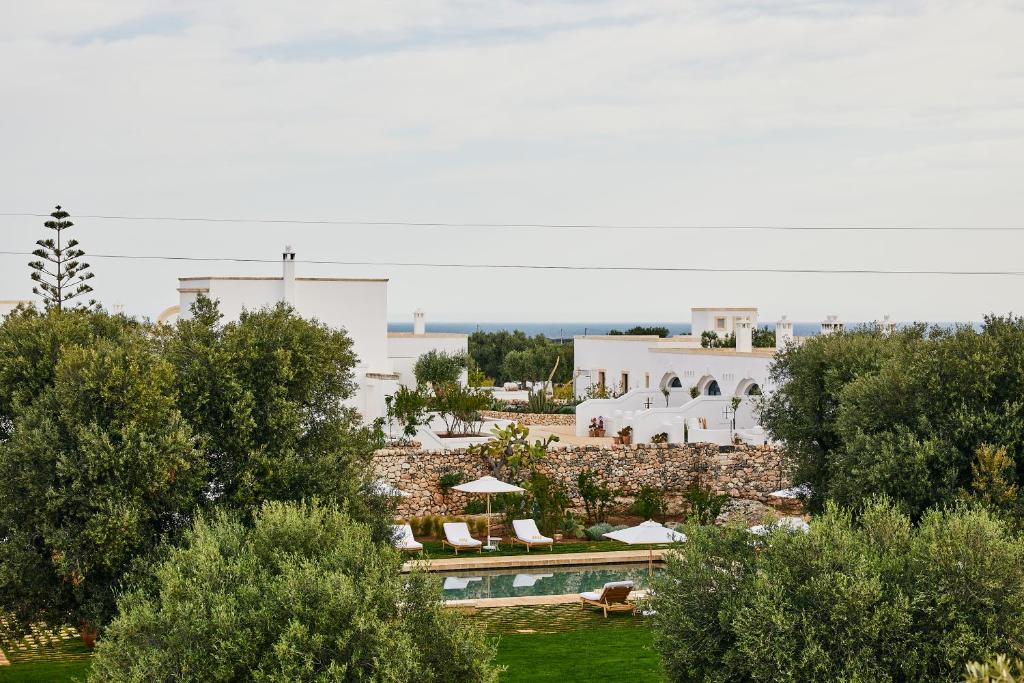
x=303, y=593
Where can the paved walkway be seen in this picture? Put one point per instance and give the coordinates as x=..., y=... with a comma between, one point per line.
x=540, y=558
x=567, y=434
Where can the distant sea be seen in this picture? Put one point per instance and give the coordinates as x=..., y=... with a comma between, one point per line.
x=569, y=330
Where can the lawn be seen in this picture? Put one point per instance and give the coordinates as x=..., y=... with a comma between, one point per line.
x=66, y=661
x=624, y=653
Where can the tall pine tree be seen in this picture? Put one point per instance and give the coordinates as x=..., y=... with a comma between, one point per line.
x=59, y=276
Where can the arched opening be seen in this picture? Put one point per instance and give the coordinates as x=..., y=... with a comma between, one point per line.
x=671, y=381
x=712, y=388
x=748, y=387
x=753, y=390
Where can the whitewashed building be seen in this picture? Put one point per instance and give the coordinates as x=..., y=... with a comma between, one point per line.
x=672, y=386
x=357, y=305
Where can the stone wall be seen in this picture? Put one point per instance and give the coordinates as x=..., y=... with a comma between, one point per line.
x=539, y=419
x=741, y=472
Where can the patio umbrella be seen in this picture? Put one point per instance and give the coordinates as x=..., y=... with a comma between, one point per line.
x=802, y=491
x=488, y=486
x=792, y=524
x=385, y=489
x=648, y=533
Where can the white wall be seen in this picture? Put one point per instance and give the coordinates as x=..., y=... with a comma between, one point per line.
x=704, y=319
x=405, y=348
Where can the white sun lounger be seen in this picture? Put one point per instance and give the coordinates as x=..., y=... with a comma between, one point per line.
x=458, y=583
x=614, y=597
x=456, y=535
x=528, y=580
x=529, y=535
x=404, y=539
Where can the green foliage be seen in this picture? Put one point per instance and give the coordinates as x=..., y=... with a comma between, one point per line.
x=902, y=414
x=648, y=503
x=439, y=368
x=572, y=526
x=640, y=330
x=409, y=408
x=510, y=452
x=449, y=479
x=96, y=468
x=59, y=274
x=303, y=594
x=990, y=480
x=597, y=531
x=475, y=506
x=704, y=504
x=266, y=394
x=694, y=392
x=550, y=500
x=476, y=376
x=660, y=437
x=535, y=359
x=762, y=338
x=867, y=598
x=759, y=338
x=996, y=670
x=459, y=408
x=597, y=496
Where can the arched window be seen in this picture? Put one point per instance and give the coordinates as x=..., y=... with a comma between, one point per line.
x=753, y=390
x=675, y=383
x=713, y=389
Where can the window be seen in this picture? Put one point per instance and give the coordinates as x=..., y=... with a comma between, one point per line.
x=647, y=380
x=713, y=389
x=624, y=381
x=601, y=379
x=675, y=383
x=753, y=390
x=719, y=323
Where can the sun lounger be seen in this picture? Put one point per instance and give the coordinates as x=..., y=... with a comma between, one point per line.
x=456, y=535
x=614, y=597
x=528, y=580
x=458, y=583
x=404, y=539
x=528, y=534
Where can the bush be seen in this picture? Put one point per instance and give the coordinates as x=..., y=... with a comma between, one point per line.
x=648, y=503
x=996, y=670
x=550, y=499
x=475, y=507
x=304, y=594
x=572, y=527
x=597, y=531
x=447, y=480
x=869, y=599
x=437, y=368
x=597, y=497
x=704, y=503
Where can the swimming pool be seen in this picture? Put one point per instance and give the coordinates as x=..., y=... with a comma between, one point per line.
x=475, y=584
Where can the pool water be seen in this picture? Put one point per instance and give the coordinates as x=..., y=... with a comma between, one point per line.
x=511, y=582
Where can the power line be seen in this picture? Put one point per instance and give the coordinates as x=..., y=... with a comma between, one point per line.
x=524, y=266
x=555, y=226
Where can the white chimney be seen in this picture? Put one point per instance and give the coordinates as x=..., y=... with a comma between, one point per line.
x=419, y=322
x=783, y=333
x=831, y=325
x=744, y=335
x=288, y=275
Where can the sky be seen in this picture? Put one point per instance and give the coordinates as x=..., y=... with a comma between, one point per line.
x=694, y=113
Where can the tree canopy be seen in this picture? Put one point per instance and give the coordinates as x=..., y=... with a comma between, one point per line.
x=301, y=594
x=861, y=413
x=59, y=274
x=490, y=350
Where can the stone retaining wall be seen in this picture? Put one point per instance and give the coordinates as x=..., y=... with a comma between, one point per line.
x=539, y=419
x=749, y=472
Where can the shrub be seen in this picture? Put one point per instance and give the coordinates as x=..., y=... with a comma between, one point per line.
x=438, y=368
x=448, y=479
x=597, y=531
x=572, y=527
x=704, y=503
x=475, y=507
x=694, y=391
x=597, y=497
x=648, y=503
x=479, y=526
x=869, y=599
x=661, y=437
x=303, y=594
x=550, y=499
x=409, y=408
x=997, y=670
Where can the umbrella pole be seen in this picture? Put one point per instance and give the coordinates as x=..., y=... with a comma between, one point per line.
x=487, y=540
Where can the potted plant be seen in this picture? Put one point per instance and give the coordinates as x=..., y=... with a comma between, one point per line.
x=626, y=435
x=660, y=438
x=600, y=427
x=592, y=431
x=666, y=393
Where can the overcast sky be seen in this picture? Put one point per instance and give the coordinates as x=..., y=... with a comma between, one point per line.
x=716, y=112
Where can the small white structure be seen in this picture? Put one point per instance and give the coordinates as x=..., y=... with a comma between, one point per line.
x=832, y=325
x=8, y=305
x=886, y=325
x=721, y=321
x=357, y=305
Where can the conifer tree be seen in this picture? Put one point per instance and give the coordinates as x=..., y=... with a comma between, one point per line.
x=60, y=276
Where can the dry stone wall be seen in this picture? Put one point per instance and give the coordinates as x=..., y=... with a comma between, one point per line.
x=748, y=472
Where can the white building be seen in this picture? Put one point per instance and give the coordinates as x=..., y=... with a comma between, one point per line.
x=358, y=305
x=658, y=385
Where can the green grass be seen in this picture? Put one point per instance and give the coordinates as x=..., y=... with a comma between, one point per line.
x=67, y=661
x=624, y=653
x=435, y=551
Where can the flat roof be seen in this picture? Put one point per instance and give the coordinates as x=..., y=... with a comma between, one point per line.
x=298, y=279
x=757, y=352
x=402, y=335
x=724, y=308
x=620, y=337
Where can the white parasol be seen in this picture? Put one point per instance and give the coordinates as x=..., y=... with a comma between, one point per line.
x=648, y=533
x=488, y=486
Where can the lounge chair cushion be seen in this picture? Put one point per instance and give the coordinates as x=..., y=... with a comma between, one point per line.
x=526, y=530
x=457, y=533
x=591, y=595
x=404, y=539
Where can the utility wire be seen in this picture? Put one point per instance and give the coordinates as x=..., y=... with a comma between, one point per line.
x=523, y=266
x=554, y=226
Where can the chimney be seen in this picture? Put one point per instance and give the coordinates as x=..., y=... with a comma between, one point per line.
x=831, y=325
x=419, y=322
x=783, y=333
x=744, y=335
x=288, y=275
